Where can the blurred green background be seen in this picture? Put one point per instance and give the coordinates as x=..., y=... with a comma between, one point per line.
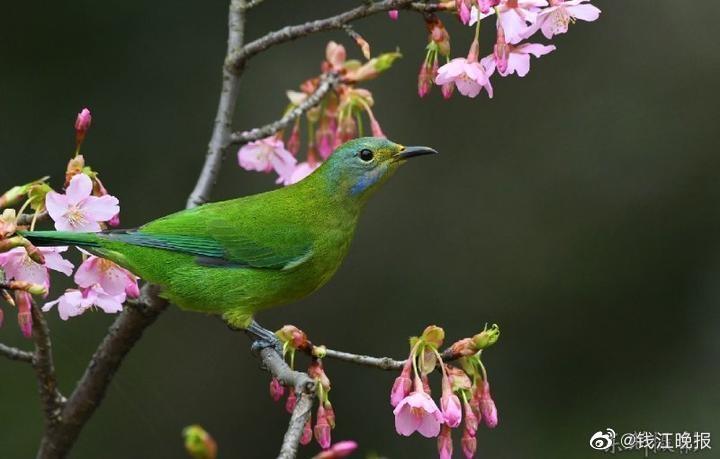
x=578, y=209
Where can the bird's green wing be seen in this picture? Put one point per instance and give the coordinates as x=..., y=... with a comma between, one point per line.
x=225, y=235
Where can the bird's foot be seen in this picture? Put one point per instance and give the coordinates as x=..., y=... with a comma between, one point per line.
x=263, y=338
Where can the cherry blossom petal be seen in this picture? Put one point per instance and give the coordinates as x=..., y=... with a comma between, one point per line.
x=406, y=423
x=101, y=208
x=88, y=273
x=430, y=426
x=111, y=304
x=251, y=158
x=585, y=12
x=55, y=261
x=56, y=205
x=536, y=49
x=518, y=62
x=79, y=188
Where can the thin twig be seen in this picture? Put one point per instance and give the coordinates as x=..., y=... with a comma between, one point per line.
x=52, y=399
x=237, y=60
x=14, y=353
x=226, y=107
x=298, y=419
x=382, y=363
x=26, y=219
x=328, y=82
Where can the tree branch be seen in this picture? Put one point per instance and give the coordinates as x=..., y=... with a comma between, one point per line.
x=52, y=399
x=14, y=353
x=90, y=390
x=298, y=419
x=382, y=363
x=226, y=107
x=328, y=82
x=237, y=60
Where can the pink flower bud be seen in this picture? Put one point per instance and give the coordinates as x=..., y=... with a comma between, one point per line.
x=338, y=450
x=501, y=51
x=471, y=420
x=447, y=90
x=307, y=433
x=469, y=445
x=394, y=14
x=131, y=289
x=82, y=124
x=316, y=371
x=424, y=80
x=2, y=317
x=330, y=414
x=464, y=12
x=291, y=402
x=444, y=443
x=23, y=300
x=485, y=5
x=277, y=390
x=115, y=221
x=322, y=429
x=487, y=406
x=293, y=143
x=450, y=405
x=401, y=388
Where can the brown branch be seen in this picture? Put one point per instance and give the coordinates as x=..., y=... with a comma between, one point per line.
x=52, y=399
x=125, y=331
x=14, y=353
x=298, y=419
x=220, y=138
x=237, y=60
x=328, y=82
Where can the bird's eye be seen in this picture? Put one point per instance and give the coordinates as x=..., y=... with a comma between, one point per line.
x=366, y=155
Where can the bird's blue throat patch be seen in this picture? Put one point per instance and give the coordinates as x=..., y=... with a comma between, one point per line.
x=365, y=182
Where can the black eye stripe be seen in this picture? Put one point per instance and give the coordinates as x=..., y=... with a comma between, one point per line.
x=366, y=155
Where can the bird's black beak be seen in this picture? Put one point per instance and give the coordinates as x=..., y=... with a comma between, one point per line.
x=410, y=152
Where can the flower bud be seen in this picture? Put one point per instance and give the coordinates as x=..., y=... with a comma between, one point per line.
x=444, y=443
x=394, y=14
x=463, y=9
x=316, y=371
x=364, y=46
x=487, y=337
x=501, y=51
x=450, y=405
x=471, y=420
x=2, y=317
x=485, y=5
x=322, y=428
x=296, y=337
x=277, y=390
x=307, y=432
x=82, y=124
x=74, y=166
x=330, y=414
x=338, y=450
x=23, y=300
x=424, y=80
x=291, y=401
x=487, y=406
x=426, y=384
x=402, y=385
x=469, y=445
x=447, y=90
x=464, y=347
x=13, y=196
x=198, y=443
x=335, y=55
x=293, y=143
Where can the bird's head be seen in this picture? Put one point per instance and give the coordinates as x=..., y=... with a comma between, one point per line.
x=360, y=166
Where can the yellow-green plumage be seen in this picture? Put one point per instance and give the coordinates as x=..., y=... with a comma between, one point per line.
x=240, y=256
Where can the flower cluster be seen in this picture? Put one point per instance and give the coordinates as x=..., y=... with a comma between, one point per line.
x=337, y=119
x=85, y=206
x=515, y=21
x=465, y=398
x=294, y=339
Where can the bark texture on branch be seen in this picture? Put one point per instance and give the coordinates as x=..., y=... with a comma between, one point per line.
x=298, y=419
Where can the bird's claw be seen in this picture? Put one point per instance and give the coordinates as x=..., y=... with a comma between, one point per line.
x=264, y=339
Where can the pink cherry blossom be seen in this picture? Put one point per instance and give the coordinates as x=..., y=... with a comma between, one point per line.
x=487, y=406
x=418, y=412
x=18, y=266
x=267, y=154
x=450, y=406
x=75, y=302
x=77, y=209
x=113, y=279
x=555, y=19
x=469, y=444
x=469, y=77
x=301, y=171
x=518, y=58
x=514, y=16
x=402, y=385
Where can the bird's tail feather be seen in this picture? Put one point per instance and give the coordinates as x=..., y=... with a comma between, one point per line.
x=56, y=238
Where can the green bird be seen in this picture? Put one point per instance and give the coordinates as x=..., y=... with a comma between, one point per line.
x=235, y=258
